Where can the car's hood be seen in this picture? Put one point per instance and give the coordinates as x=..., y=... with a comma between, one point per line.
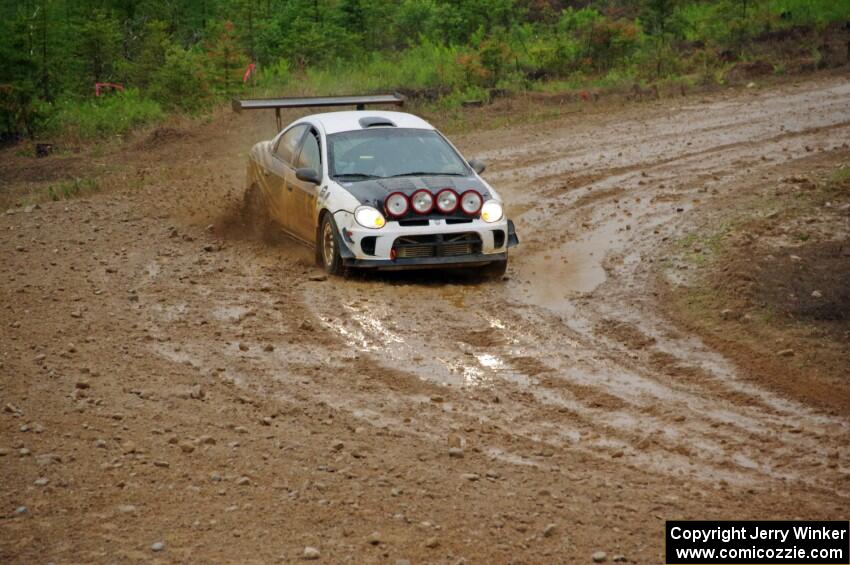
x=373, y=192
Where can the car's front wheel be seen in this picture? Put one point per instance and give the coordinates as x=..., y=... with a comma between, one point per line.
x=328, y=247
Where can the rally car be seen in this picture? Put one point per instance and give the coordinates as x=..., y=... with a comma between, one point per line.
x=376, y=189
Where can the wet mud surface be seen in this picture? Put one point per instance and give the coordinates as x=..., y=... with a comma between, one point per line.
x=156, y=357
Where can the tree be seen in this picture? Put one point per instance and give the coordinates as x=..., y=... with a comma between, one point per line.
x=660, y=22
x=250, y=18
x=225, y=59
x=155, y=44
x=99, y=46
x=306, y=32
x=658, y=17
x=181, y=82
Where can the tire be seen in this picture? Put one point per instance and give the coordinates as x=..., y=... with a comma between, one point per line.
x=255, y=213
x=327, y=245
x=494, y=271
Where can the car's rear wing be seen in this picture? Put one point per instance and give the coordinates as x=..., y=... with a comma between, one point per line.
x=359, y=102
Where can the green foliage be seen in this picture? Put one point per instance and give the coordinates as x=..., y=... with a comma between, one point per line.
x=307, y=33
x=660, y=18
x=225, y=61
x=22, y=113
x=181, y=83
x=186, y=56
x=416, y=20
x=98, y=47
x=71, y=188
x=105, y=116
x=152, y=54
x=811, y=12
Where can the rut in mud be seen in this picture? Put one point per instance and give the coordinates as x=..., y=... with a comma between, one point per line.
x=576, y=403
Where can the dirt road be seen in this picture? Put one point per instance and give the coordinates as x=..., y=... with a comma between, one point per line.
x=167, y=378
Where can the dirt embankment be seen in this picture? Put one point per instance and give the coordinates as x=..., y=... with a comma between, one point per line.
x=176, y=391
x=769, y=287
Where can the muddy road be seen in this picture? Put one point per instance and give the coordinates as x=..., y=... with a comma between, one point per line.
x=169, y=378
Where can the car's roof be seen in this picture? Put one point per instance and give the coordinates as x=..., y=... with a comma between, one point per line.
x=335, y=122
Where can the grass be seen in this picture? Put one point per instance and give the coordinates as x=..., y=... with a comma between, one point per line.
x=424, y=66
x=111, y=115
x=710, y=244
x=71, y=188
x=839, y=177
x=811, y=12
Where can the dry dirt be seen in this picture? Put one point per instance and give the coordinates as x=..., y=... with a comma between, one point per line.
x=167, y=378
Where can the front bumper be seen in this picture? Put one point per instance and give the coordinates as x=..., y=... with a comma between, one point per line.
x=473, y=260
x=378, y=251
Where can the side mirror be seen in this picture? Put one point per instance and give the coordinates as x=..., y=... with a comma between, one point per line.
x=477, y=165
x=308, y=175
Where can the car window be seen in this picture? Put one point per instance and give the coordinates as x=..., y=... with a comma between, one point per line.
x=288, y=142
x=310, y=156
x=386, y=152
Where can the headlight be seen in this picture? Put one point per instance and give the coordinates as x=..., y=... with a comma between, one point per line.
x=369, y=217
x=491, y=211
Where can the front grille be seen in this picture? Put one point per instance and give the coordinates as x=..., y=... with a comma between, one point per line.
x=439, y=245
x=409, y=223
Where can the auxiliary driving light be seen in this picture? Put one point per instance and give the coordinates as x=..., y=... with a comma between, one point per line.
x=422, y=201
x=447, y=200
x=397, y=205
x=470, y=202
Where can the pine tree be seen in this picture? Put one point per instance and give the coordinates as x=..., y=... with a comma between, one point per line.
x=225, y=59
x=99, y=46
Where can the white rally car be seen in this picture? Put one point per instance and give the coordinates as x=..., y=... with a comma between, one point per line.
x=376, y=189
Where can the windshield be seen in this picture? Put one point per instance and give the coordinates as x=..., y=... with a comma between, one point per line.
x=391, y=152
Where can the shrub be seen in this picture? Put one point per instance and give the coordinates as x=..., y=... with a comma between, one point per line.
x=109, y=115
x=811, y=12
x=71, y=188
x=182, y=82
x=22, y=113
x=609, y=42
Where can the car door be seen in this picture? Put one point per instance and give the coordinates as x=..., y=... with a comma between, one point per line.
x=304, y=194
x=281, y=168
